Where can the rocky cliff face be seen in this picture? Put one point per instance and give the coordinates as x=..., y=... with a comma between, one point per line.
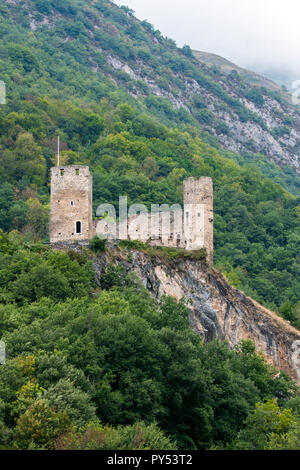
x=269, y=135
x=217, y=310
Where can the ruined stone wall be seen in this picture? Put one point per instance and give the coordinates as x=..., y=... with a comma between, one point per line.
x=71, y=202
x=163, y=229
x=191, y=228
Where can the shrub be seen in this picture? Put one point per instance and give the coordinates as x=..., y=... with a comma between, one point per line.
x=97, y=245
x=164, y=252
x=138, y=436
x=40, y=425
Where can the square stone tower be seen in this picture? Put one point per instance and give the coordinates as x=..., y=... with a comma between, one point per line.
x=199, y=215
x=71, y=203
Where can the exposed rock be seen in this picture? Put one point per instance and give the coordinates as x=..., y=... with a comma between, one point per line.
x=243, y=136
x=217, y=310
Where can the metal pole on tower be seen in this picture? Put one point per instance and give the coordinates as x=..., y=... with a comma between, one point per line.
x=58, y=150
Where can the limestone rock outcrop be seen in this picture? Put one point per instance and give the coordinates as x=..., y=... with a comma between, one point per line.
x=217, y=310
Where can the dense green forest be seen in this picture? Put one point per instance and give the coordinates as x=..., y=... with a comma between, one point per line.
x=114, y=368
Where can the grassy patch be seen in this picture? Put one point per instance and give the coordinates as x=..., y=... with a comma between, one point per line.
x=164, y=252
x=97, y=245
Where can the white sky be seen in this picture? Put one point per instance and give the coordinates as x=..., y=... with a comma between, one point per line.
x=262, y=33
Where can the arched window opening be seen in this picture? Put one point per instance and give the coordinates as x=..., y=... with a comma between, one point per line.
x=78, y=227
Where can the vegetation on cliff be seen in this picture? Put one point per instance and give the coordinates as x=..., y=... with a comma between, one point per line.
x=114, y=368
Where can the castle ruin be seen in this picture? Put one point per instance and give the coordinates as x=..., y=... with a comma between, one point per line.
x=71, y=214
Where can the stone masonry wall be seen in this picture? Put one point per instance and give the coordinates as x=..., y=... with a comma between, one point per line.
x=71, y=202
x=198, y=204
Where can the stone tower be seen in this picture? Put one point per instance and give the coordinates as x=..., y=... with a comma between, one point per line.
x=199, y=215
x=71, y=203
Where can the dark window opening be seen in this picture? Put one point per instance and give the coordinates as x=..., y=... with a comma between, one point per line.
x=78, y=227
x=62, y=172
x=77, y=171
x=72, y=203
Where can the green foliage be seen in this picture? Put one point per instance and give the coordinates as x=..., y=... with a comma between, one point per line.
x=164, y=252
x=64, y=396
x=286, y=441
x=40, y=425
x=5, y=436
x=119, y=355
x=266, y=428
x=122, y=357
x=187, y=51
x=256, y=96
x=28, y=277
x=4, y=242
x=222, y=128
x=97, y=245
x=281, y=131
x=132, y=437
x=205, y=116
x=114, y=276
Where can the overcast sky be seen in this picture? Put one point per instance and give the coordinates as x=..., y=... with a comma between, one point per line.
x=262, y=33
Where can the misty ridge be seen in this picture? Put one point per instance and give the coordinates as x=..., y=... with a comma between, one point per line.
x=260, y=36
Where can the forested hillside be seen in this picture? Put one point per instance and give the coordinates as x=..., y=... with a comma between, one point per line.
x=84, y=360
x=88, y=50
x=144, y=115
x=54, y=62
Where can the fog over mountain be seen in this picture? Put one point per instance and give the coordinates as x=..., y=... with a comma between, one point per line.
x=260, y=35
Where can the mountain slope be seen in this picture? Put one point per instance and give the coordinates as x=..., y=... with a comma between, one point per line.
x=249, y=76
x=102, y=41
x=217, y=311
